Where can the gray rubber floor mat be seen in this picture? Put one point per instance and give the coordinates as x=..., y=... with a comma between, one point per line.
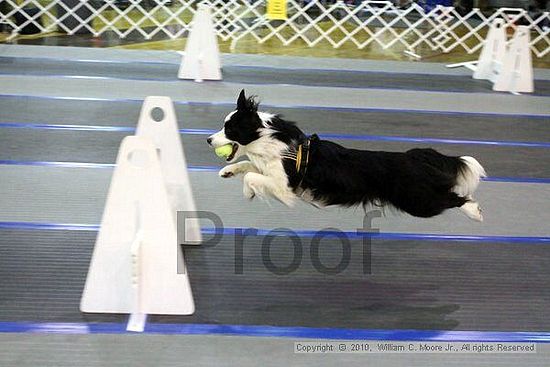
x=510, y=209
x=102, y=147
x=258, y=75
x=411, y=285
x=353, y=122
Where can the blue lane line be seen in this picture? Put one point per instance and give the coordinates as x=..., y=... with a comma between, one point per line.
x=383, y=235
x=56, y=164
x=360, y=137
x=299, y=107
x=90, y=165
x=435, y=140
x=199, y=168
x=49, y=226
x=517, y=179
x=90, y=61
x=231, y=231
x=89, y=77
x=280, y=331
x=45, y=126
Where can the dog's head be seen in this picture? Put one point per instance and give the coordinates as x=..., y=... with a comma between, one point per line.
x=241, y=127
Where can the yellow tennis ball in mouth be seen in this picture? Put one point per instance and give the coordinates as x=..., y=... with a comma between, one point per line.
x=224, y=151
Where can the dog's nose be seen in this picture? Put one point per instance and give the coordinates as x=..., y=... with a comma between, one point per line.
x=209, y=141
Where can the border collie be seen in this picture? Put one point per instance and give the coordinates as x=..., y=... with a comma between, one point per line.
x=286, y=164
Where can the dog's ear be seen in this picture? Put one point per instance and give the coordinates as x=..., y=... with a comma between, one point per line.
x=246, y=105
x=241, y=102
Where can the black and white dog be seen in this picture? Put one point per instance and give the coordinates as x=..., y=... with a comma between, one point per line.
x=288, y=165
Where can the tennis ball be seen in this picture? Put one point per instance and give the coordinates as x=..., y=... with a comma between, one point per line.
x=224, y=151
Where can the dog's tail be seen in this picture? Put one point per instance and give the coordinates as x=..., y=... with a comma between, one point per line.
x=468, y=177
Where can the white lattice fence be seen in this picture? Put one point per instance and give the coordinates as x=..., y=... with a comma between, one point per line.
x=440, y=29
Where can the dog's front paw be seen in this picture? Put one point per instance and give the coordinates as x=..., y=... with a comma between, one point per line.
x=248, y=192
x=249, y=189
x=227, y=172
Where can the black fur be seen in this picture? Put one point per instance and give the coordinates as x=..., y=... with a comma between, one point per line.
x=418, y=182
x=243, y=126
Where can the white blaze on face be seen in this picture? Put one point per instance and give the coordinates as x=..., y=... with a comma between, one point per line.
x=219, y=139
x=228, y=117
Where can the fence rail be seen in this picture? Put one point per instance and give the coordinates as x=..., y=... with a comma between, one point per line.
x=310, y=22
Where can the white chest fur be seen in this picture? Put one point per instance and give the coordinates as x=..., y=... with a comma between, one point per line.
x=265, y=155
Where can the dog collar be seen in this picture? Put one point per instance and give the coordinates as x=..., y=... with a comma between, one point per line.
x=302, y=155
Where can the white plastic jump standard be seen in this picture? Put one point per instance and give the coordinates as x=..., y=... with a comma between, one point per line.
x=158, y=122
x=516, y=74
x=509, y=68
x=134, y=267
x=492, y=54
x=201, y=60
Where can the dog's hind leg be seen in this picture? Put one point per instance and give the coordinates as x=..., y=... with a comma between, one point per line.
x=237, y=168
x=258, y=184
x=466, y=204
x=472, y=210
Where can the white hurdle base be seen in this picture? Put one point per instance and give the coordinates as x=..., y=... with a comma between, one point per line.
x=471, y=65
